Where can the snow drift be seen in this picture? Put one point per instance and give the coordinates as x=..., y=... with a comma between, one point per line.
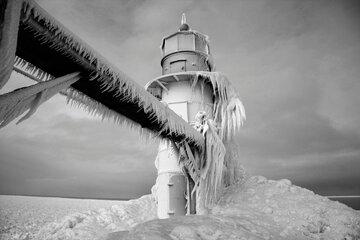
x=96, y=224
x=256, y=209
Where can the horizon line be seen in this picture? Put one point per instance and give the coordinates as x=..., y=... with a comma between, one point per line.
x=54, y=196
x=345, y=196
x=121, y=199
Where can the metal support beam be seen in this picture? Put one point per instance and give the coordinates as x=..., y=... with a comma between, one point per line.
x=26, y=74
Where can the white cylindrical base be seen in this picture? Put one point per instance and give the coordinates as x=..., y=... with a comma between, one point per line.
x=171, y=189
x=171, y=185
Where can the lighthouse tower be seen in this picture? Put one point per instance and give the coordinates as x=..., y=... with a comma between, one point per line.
x=184, y=54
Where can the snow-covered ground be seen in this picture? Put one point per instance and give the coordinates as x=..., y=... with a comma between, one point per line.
x=256, y=209
x=96, y=224
x=21, y=217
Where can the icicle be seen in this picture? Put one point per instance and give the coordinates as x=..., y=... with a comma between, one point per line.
x=218, y=166
x=111, y=79
x=34, y=106
x=15, y=103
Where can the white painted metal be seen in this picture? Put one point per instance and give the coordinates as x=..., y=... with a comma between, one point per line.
x=171, y=183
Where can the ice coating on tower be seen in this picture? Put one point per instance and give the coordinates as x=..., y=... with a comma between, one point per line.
x=190, y=87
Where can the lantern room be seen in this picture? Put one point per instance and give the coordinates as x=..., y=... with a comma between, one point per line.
x=185, y=50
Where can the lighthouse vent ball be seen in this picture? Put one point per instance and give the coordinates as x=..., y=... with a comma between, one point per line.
x=184, y=27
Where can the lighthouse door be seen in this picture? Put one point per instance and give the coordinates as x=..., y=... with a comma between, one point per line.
x=178, y=66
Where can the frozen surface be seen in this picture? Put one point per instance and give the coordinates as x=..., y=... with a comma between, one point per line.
x=96, y=224
x=21, y=217
x=299, y=212
x=258, y=209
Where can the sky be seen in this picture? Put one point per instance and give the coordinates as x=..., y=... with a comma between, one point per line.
x=295, y=64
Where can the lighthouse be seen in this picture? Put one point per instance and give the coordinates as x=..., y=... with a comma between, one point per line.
x=184, y=53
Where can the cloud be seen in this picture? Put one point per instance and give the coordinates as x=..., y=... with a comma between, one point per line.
x=54, y=153
x=294, y=63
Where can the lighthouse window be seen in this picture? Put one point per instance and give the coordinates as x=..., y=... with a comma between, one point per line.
x=200, y=45
x=171, y=45
x=186, y=42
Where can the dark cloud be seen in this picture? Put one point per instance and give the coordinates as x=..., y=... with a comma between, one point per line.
x=295, y=64
x=70, y=156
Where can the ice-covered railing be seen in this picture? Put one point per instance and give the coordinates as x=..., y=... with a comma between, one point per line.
x=104, y=80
